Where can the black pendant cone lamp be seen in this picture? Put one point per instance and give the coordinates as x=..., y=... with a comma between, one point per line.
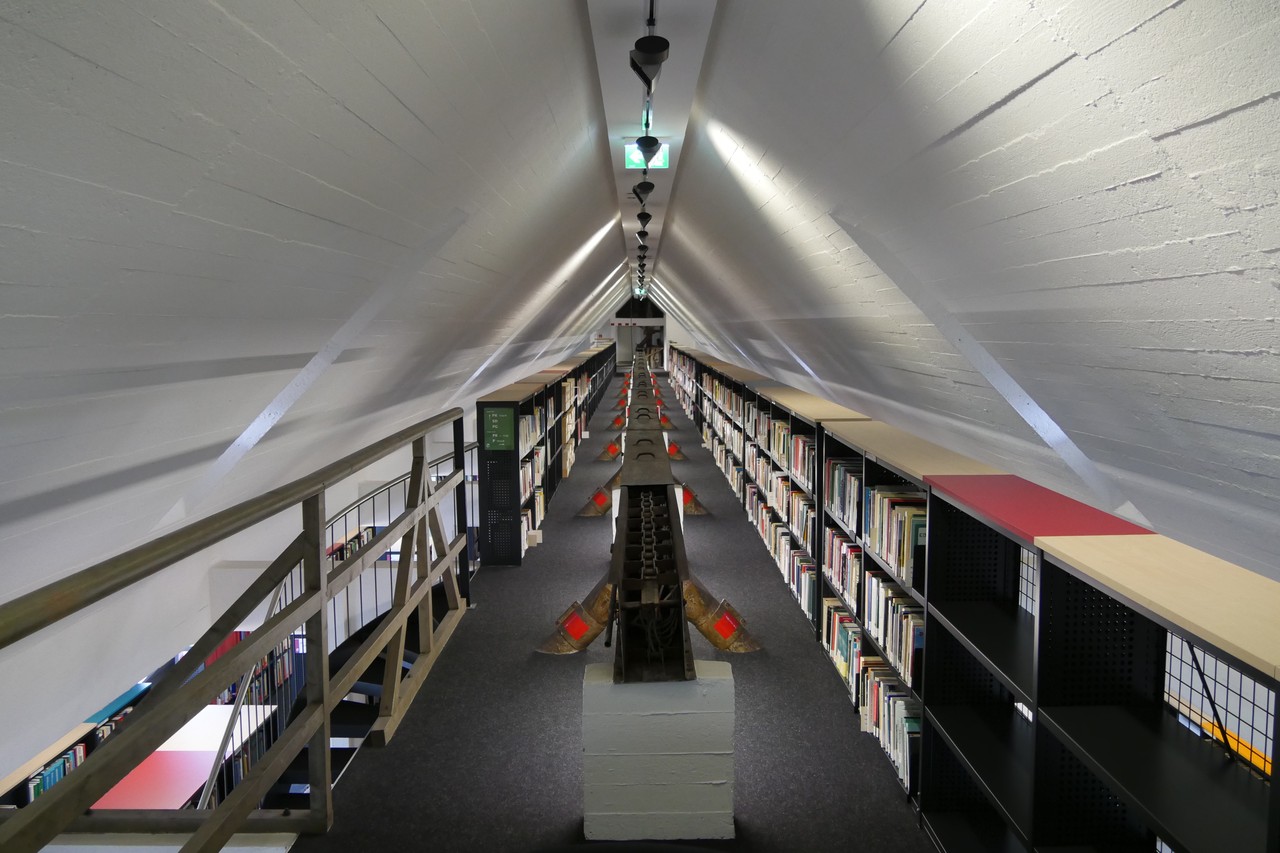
x=649, y=147
x=647, y=58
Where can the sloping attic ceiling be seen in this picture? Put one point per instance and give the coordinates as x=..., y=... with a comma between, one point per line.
x=327, y=218
x=1041, y=233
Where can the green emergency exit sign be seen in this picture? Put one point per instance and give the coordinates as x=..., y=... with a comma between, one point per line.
x=635, y=160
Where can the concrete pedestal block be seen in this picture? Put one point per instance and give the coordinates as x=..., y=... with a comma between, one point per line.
x=658, y=758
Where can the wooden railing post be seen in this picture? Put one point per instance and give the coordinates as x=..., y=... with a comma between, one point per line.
x=315, y=579
x=389, y=705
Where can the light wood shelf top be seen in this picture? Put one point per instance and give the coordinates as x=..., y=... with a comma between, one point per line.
x=911, y=455
x=728, y=368
x=513, y=393
x=1235, y=609
x=811, y=407
x=20, y=775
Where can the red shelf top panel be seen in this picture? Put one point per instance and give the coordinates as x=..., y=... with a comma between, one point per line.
x=164, y=780
x=1027, y=510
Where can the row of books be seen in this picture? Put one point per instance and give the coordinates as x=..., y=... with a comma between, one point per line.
x=723, y=396
x=56, y=770
x=532, y=471
x=840, y=636
x=532, y=426
x=800, y=513
x=757, y=464
x=896, y=621
x=889, y=712
x=344, y=546
x=801, y=574
x=269, y=678
x=728, y=431
x=751, y=418
x=728, y=465
x=840, y=479
x=804, y=451
x=779, y=486
x=895, y=517
x=567, y=457
x=531, y=516
x=780, y=442
x=842, y=563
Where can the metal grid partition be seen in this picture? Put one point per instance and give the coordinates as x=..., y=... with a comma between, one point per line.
x=1215, y=698
x=1029, y=580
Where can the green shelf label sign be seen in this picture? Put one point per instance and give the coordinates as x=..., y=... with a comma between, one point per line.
x=499, y=429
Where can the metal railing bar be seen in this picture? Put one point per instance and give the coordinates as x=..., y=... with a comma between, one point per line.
x=38, y=823
x=243, y=799
x=341, y=682
x=220, y=756
x=443, y=563
x=391, y=484
x=279, y=572
x=42, y=607
x=346, y=571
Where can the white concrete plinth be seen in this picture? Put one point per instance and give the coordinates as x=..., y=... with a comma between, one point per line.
x=658, y=758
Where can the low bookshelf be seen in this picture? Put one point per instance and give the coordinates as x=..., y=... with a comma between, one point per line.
x=528, y=434
x=1043, y=675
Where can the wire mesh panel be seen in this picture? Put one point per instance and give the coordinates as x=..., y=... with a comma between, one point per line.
x=1029, y=580
x=1218, y=699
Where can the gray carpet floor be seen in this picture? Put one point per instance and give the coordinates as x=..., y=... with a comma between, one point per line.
x=489, y=757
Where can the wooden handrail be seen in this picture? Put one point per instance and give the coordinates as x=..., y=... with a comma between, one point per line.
x=44, y=606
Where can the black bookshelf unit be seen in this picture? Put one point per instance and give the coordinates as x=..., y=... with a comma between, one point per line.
x=1042, y=675
x=528, y=433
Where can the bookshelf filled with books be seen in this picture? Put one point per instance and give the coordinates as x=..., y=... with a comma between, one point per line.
x=875, y=515
x=528, y=433
x=1041, y=674
x=44, y=770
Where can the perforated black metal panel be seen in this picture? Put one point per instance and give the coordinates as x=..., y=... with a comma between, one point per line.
x=499, y=508
x=953, y=676
x=969, y=561
x=945, y=785
x=1073, y=807
x=1094, y=649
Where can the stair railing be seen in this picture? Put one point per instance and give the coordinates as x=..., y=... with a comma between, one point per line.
x=300, y=621
x=273, y=699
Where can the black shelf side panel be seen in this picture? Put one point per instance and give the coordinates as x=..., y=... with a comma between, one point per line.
x=1074, y=808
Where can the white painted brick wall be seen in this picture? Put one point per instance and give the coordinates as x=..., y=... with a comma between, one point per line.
x=658, y=758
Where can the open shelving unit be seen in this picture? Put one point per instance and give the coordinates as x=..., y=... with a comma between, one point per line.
x=528, y=434
x=1042, y=675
